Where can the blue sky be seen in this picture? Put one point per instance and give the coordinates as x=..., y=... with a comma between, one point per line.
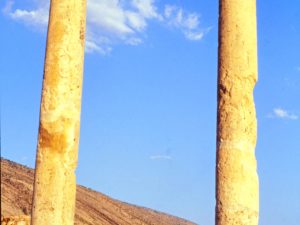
x=149, y=101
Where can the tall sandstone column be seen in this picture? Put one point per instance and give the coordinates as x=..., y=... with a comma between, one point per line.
x=56, y=161
x=237, y=194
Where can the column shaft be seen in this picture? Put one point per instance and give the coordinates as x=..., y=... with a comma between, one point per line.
x=237, y=197
x=56, y=160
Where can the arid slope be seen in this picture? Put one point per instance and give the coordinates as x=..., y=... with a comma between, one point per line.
x=92, y=207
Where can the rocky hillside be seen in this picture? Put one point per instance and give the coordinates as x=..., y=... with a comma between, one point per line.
x=92, y=207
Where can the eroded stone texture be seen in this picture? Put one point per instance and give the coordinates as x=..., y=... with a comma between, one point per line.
x=15, y=220
x=55, y=185
x=237, y=181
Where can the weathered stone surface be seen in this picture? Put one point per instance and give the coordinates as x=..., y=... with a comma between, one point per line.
x=237, y=181
x=55, y=186
x=15, y=220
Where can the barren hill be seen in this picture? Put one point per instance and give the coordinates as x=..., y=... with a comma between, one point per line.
x=92, y=207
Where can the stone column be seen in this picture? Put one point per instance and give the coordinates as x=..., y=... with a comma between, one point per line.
x=237, y=194
x=56, y=160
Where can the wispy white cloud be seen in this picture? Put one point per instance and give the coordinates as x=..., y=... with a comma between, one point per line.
x=188, y=23
x=91, y=46
x=37, y=18
x=8, y=6
x=111, y=22
x=146, y=8
x=160, y=157
x=283, y=114
x=194, y=36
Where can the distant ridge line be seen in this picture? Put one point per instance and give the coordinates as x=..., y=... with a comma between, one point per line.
x=92, y=207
